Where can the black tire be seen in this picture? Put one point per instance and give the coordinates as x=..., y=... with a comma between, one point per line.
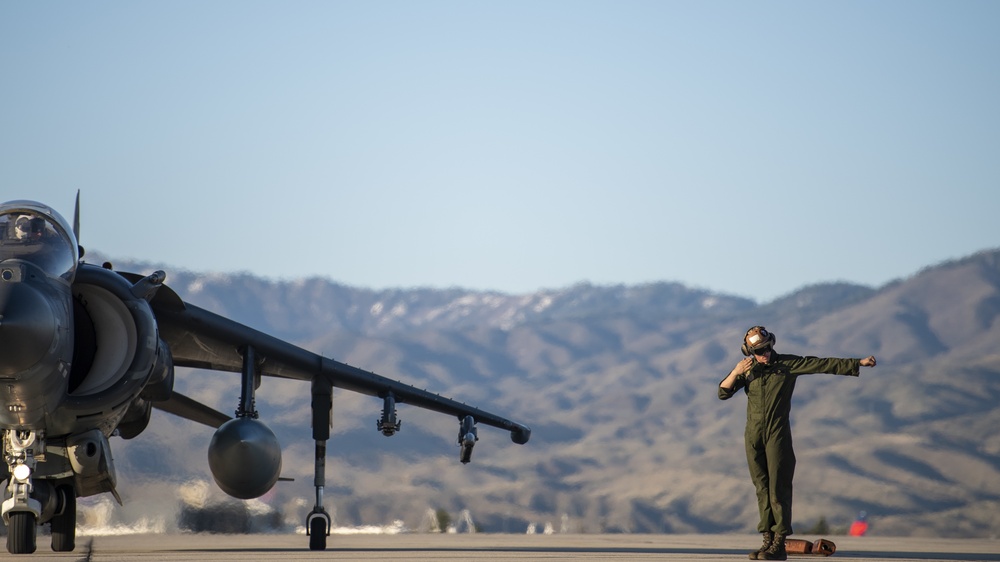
x=21, y=532
x=317, y=534
x=64, y=524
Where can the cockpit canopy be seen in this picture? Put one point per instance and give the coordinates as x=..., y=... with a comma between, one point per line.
x=38, y=235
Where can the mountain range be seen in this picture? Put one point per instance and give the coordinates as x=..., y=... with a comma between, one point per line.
x=618, y=384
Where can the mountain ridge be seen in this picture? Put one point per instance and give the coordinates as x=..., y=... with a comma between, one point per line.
x=618, y=384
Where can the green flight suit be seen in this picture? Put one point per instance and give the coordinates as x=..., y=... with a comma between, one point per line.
x=768, y=433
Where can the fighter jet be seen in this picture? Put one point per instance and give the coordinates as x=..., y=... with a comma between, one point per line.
x=86, y=352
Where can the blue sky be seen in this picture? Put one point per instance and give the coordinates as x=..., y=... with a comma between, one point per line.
x=745, y=148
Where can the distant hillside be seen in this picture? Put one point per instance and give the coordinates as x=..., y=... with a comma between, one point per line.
x=619, y=386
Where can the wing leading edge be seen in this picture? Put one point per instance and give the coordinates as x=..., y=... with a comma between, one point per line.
x=205, y=340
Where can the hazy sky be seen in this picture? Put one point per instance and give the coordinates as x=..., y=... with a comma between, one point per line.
x=743, y=147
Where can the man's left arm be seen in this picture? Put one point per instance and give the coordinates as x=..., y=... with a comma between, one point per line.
x=829, y=365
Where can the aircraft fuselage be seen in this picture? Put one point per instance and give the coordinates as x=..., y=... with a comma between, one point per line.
x=78, y=345
x=87, y=352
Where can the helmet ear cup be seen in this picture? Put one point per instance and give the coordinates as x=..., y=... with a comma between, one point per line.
x=745, y=348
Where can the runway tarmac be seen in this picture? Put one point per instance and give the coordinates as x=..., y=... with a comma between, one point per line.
x=492, y=547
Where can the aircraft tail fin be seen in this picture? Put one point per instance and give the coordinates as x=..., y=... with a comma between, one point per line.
x=76, y=223
x=76, y=217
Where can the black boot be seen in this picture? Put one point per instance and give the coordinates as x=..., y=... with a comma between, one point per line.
x=768, y=538
x=776, y=551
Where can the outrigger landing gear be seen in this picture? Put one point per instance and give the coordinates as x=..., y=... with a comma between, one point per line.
x=318, y=522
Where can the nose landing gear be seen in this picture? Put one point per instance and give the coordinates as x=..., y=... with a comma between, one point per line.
x=20, y=511
x=32, y=501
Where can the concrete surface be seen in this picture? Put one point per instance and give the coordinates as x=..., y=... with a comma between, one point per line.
x=492, y=547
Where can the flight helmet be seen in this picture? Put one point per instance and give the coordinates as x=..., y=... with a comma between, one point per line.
x=757, y=339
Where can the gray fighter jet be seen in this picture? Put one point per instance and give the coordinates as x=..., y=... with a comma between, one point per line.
x=86, y=352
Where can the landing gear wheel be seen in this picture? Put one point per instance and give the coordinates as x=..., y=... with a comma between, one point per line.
x=64, y=524
x=21, y=529
x=317, y=534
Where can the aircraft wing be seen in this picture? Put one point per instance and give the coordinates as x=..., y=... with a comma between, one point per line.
x=205, y=340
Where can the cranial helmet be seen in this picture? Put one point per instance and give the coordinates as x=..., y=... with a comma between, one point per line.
x=757, y=338
x=27, y=226
x=22, y=226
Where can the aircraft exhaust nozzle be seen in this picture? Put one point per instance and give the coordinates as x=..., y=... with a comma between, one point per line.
x=245, y=458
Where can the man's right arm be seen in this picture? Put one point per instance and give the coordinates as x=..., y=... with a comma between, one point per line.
x=735, y=379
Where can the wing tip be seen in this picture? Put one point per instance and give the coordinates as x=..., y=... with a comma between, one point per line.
x=520, y=434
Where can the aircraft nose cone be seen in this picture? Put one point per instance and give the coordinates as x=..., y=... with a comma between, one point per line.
x=27, y=327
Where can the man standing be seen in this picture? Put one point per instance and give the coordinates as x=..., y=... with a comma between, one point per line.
x=768, y=378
